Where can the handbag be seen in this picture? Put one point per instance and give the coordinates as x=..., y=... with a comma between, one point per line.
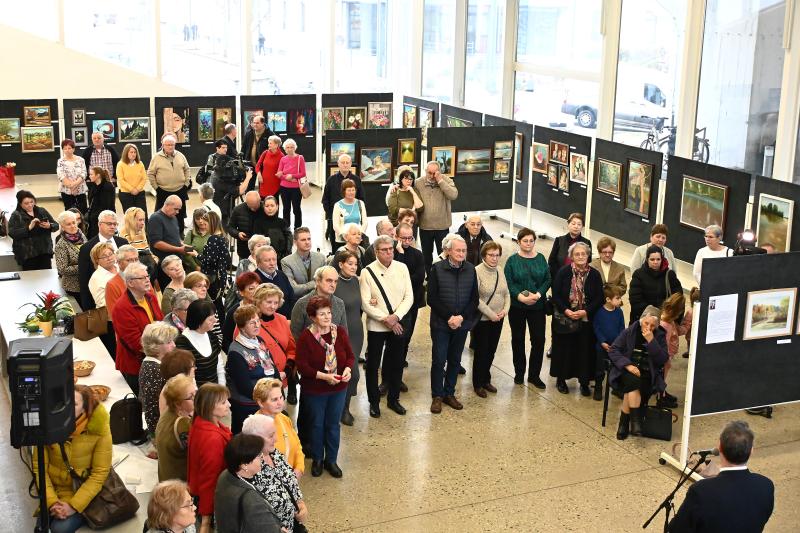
x=112, y=505
x=126, y=420
x=657, y=422
x=90, y=324
x=564, y=325
x=405, y=322
x=7, y=180
x=305, y=188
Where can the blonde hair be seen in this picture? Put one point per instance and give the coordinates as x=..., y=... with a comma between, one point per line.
x=165, y=502
x=129, y=221
x=214, y=223
x=98, y=249
x=267, y=290
x=263, y=387
x=175, y=390
x=194, y=278
x=155, y=335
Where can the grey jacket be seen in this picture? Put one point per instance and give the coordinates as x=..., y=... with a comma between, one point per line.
x=294, y=269
x=300, y=320
x=242, y=508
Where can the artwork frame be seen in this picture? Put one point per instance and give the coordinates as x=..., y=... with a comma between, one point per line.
x=559, y=153
x=456, y=122
x=501, y=169
x=639, y=189
x=692, y=216
x=355, y=118
x=10, y=130
x=503, y=149
x=774, y=299
x=409, y=116
x=540, y=157
x=36, y=139
x=247, y=117
x=578, y=168
x=473, y=160
x=406, y=151
x=106, y=126
x=222, y=117
x=373, y=169
x=552, y=174
x=519, y=140
x=301, y=121
x=337, y=148
x=609, y=177
x=278, y=121
x=205, y=124
x=426, y=118
x=137, y=128
x=37, y=115
x=78, y=117
x=332, y=118
x=563, y=178
x=766, y=230
x=446, y=157
x=176, y=122
x=379, y=115
x=80, y=136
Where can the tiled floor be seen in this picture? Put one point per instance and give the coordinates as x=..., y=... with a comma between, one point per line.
x=523, y=460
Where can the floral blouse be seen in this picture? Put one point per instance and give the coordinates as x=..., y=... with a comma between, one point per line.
x=276, y=485
x=75, y=169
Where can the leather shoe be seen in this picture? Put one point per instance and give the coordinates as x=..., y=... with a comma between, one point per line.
x=383, y=389
x=333, y=469
x=452, y=402
x=480, y=391
x=585, y=390
x=347, y=418
x=403, y=387
x=490, y=388
x=374, y=410
x=519, y=380
x=436, y=405
x=291, y=396
x=396, y=407
x=538, y=383
x=316, y=468
x=561, y=386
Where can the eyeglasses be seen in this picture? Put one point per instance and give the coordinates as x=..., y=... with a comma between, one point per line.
x=385, y=249
x=406, y=238
x=139, y=278
x=110, y=223
x=492, y=255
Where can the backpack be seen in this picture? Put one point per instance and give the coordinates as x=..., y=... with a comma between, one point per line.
x=203, y=175
x=126, y=420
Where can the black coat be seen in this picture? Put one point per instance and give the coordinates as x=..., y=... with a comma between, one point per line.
x=332, y=192
x=86, y=269
x=650, y=288
x=277, y=229
x=558, y=254
x=592, y=291
x=452, y=292
x=87, y=156
x=101, y=197
x=242, y=219
x=474, y=249
x=28, y=244
x=734, y=501
x=415, y=262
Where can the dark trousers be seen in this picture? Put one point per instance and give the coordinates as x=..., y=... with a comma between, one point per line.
x=225, y=197
x=447, y=345
x=183, y=194
x=392, y=364
x=133, y=382
x=429, y=237
x=290, y=197
x=109, y=340
x=40, y=262
x=487, y=335
x=239, y=412
x=324, y=413
x=535, y=319
x=128, y=200
x=76, y=200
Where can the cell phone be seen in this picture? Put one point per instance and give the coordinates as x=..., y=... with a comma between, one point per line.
x=338, y=376
x=526, y=293
x=188, y=248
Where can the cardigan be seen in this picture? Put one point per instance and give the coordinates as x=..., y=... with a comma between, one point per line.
x=527, y=273
x=131, y=177
x=501, y=298
x=288, y=442
x=332, y=192
x=172, y=452
x=242, y=377
x=396, y=284
x=592, y=290
x=210, y=368
x=436, y=198
x=341, y=212
x=205, y=461
x=311, y=359
x=232, y=494
x=616, y=274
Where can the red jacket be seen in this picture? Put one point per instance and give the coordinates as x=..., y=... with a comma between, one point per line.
x=268, y=165
x=310, y=358
x=205, y=461
x=129, y=321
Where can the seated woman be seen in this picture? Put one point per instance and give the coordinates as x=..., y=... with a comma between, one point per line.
x=248, y=264
x=158, y=339
x=88, y=449
x=170, y=509
x=242, y=508
x=29, y=227
x=198, y=339
x=133, y=229
x=268, y=394
x=276, y=480
x=638, y=356
x=104, y=260
x=172, y=430
x=172, y=265
x=180, y=306
x=66, y=250
x=651, y=284
x=197, y=236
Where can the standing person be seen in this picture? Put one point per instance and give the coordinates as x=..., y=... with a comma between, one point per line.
x=267, y=271
x=652, y=283
x=436, y=192
x=292, y=173
x=402, y=195
x=29, y=227
x=71, y=172
x=207, y=194
x=255, y=143
x=268, y=394
x=180, y=308
x=348, y=210
x=267, y=166
x=300, y=266
x=197, y=236
x=170, y=509
x=133, y=230
x=559, y=255
x=387, y=283
x=229, y=177
x=352, y=243
x=102, y=197
x=115, y=287
x=100, y=155
x=169, y=175
x=269, y=224
x=172, y=430
x=105, y=264
x=475, y=235
x=608, y=323
x=382, y=227
x=348, y=289
x=229, y=138
x=248, y=264
x=713, y=248
x=242, y=222
x=108, y=227
x=66, y=251
x=611, y=272
x=215, y=262
x=276, y=332
x=204, y=345
x=676, y=321
x=528, y=278
x=246, y=285
x=158, y=339
x=577, y=294
x=131, y=178
x=453, y=297
x=332, y=193
x=164, y=234
x=172, y=267
x=493, y=303
x=658, y=237
x=405, y=253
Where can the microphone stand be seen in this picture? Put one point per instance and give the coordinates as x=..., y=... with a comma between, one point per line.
x=667, y=503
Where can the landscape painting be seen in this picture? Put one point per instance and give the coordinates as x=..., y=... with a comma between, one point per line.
x=445, y=156
x=503, y=149
x=638, y=188
x=339, y=148
x=455, y=122
x=774, y=223
x=769, y=313
x=376, y=165
x=703, y=203
x=501, y=169
x=9, y=130
x=37, y=139
x=37, y=115
x=406, y=150
x=471, y=161
x=608, y=177
x=134, y=129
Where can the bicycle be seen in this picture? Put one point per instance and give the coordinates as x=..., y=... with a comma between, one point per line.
x=666, y=144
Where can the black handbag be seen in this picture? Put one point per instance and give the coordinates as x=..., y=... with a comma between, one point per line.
x=126, y=420
x=657, y=422
x=564, y=325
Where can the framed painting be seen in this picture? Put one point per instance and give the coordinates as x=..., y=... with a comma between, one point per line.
x=78, y=117
x=37, y=139
x=332, y=118
x=379, y=115
x=426, y=119
x=774, y=223
x=578, y=165
x=769, y=313
x=80, y=136
x=503, y=149
x=445, y=156
x=608, y=177
x=222, y=117
x=9, y=130
x=277, y=121
x=133, y=129
x=205, y=124
x=247, y=117
x=703, y=203
x=455, y=122
x=301, y=121
x=472, y=161
x=376, y=164
x=638, y=188
x=552, y=174
x=501, y=169
x=355, y=118
x=339, y=148
x=518, y=141
x=409, y=116
x=539, y=157
x=563, y=178
x=176, y=122
x=559, y=153
x=406, y=151
x=36, y=115
x=106, y=127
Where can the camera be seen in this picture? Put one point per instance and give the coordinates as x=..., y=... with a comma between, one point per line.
x=231, y=169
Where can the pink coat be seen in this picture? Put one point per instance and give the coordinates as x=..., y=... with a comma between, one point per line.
x=296, y=166
x=674, y=332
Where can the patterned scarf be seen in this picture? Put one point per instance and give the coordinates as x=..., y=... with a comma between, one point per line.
x=262, y=356
x=576, y=293
x=330, y=352
x=76, y=238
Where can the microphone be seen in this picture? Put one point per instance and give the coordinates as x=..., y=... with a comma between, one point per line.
x=707, y=452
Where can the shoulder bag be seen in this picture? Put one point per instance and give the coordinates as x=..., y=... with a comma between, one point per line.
x=564, y=325
x=405, y=322
x=496, y=281
x=112, y=505
x=305, y=188
x=657, y=422
x=90, y=324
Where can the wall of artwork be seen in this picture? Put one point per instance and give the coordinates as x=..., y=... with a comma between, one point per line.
x=29, y=135
x=422, y=114
x=522, y=152
x=699, y=195
x=458, y=117
x=560, y=164
x=357, y=111
x=773, y=211
x=282, y=113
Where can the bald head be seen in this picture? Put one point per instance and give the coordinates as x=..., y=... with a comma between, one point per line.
x=172, y=205
x=253, y=200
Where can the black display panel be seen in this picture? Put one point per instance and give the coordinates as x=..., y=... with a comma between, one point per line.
x=11, y=146
x=550, y=199
x=195, y=150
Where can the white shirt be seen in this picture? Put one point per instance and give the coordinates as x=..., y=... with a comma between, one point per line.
x=740, y=467
x=110, y=241
x=704, y=253
x=396, y=281
x=97, y=286
x=212, y=206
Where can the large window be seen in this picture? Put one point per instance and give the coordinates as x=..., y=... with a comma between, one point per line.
x=361, y=46
x=483, y=82
x=740, y=83
x=438, y=39
x=39, y=17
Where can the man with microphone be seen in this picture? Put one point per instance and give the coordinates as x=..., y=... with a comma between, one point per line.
x=735, y=500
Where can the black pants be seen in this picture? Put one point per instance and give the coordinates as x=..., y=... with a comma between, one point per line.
x=133, y=382
x=414, y=311
x=224, y=196
x=535, y=319
x=40, y=262
x=290, y=197
x=429, y=237
x=487, y=336
x=128, y=200
x=629, y=383
x=392, y=363
x=183, y=194
x=77, y=200
x=109, y=340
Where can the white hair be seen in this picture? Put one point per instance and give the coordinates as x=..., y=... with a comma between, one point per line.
x=206, y=191
x=66, y=216
x=382, y=239
x=155, y=335
x=254, y=241
x=257, y=424
x=291, y=142
x=168, y=137
x=450, y=238
x=714, y=230
x=275, y=139
x=131, y=270
x=182, y=298
x=169, y=260
x=124, y=249
x=381, y=224
x=321, y=271
x=107, y=213
x=264, y=249
x=579, y=244
x=342, y=156
x=347, y=228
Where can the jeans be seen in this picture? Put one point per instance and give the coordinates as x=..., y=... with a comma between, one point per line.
x=392, y=364
x=324, y=413
x=535, y=318
x=446, y=348
x=71, y=524
x=290, y=197
x=487, y=335
x=428, y=238
x=75, y=200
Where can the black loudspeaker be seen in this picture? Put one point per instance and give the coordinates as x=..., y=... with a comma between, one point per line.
x=42, y=391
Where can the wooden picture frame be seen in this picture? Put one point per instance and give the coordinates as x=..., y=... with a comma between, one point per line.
x=703, y=203
x=608, y=177
x=639, y=188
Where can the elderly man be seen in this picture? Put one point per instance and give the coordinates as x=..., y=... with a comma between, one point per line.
x=436, y=192
x=126, y=254
x=383, y=227
x=255, y=142
x=241, y=224
x=267, y=270
x=230, y=138
x=107, y=227
x=180, y=306
x=300, y=266
x=169, y=175
x=386, y=297
x=132, y=312
x=475, y=235
x=453, y=297
x=332, y=193
x=100, y=155
x=404, y=252
x=164, y=234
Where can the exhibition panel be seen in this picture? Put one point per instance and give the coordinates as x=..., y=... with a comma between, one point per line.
x=357, y=111
x=560, y=164
x=522, y=153
x=288, y=116
x=773, y=212
x=29, y=135
x=458, y=117
x=419, y=113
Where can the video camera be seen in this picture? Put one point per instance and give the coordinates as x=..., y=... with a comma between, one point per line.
x=232, y=169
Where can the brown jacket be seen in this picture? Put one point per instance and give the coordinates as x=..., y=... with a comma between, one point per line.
x=435, y=213
x=616, y=274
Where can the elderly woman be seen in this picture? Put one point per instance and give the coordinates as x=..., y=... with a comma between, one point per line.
x=248, y=264
x=713, y=248
x=269, y=224
x=170, y=509
x=133, y=229
x=267, y=166
x=275, y=329
x=638, y=356
x=402, y=195
x=577, y=295
x=249, y=360
x=325, y=362
x=348, y=210
x=67, y=248
x=246, y=285
x=558, y=253
x=88, y=450
x=352, y=243
x=494, y=301
x=180, y=306
x=215, y=261
x=29, y=227
x=172, y=265
x=158, y=339
x=79, y=219
x=268, y=394
x=611, y=272
x=243, y=509
x=199, y=283
x=208, y=437
x=102, y=197
x=652, y=283
x=348, y=289
x=658, y=237
x=291, y=171
x=71, y=172
x=276, y=480
x=204, y=345
x=172, y=430
x=104, y=260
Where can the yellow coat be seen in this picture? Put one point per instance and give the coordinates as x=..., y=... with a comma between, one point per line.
x=89, y=450
x=285, y=434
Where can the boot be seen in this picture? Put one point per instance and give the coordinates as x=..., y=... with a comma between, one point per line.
x=622, y=430
x=636, y=421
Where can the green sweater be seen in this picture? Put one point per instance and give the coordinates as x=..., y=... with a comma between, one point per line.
x=531, y=274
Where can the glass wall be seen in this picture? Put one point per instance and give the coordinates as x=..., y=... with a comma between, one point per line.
x=361, y=46
x=39, y=17
x=438, y=40
x=483, y=83
x=740, y=83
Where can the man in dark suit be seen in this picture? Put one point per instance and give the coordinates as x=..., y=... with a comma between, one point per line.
x=735, y=500
x=107, y=225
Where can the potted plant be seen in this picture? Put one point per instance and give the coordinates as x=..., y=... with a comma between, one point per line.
x=52, y=307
